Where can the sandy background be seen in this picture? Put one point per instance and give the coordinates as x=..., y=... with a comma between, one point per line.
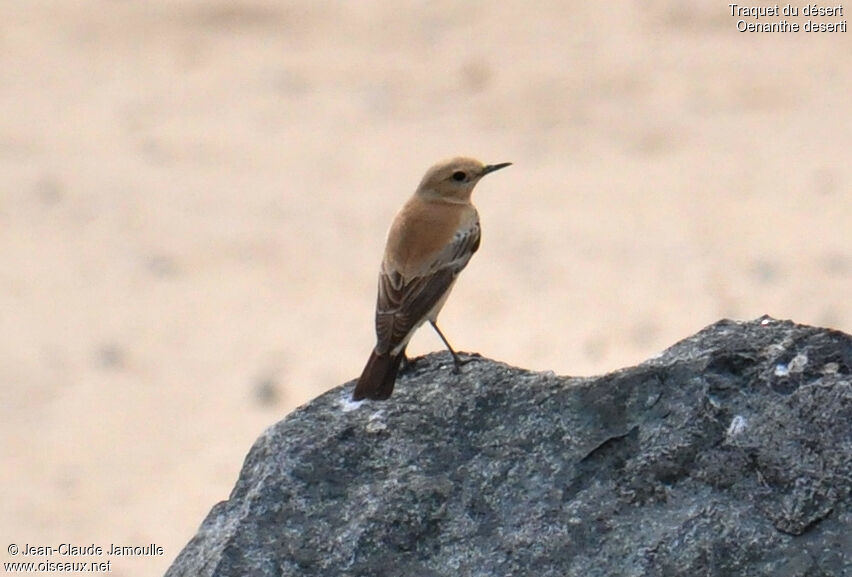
x=194, y=196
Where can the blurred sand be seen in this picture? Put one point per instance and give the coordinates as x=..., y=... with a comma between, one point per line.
x=194, y=196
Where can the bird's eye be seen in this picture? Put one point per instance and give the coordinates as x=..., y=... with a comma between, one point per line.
x=459, y=176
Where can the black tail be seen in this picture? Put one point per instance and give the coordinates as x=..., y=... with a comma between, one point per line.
x=377, y=380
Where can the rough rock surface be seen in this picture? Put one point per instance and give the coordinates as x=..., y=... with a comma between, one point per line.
x=729, y=454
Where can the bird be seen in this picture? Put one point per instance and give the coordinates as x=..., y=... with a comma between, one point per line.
x=430, y=241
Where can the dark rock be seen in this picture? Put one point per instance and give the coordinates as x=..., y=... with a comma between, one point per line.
x=728, y=455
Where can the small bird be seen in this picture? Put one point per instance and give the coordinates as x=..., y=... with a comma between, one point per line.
x=429, y=243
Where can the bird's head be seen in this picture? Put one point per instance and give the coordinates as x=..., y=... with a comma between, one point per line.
x=453, y=180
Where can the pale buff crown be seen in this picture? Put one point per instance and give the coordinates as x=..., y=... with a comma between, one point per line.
x=453, y=180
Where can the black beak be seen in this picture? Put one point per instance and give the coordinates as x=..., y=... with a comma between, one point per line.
x=492, y=167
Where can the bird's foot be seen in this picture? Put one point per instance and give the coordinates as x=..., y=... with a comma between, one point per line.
x=459, y=361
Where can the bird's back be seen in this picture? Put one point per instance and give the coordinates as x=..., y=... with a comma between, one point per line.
x=421, y=231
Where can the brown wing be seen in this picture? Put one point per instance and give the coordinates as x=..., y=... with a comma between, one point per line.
x=402, y=304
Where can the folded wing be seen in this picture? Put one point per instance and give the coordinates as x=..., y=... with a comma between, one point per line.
x=403, y=304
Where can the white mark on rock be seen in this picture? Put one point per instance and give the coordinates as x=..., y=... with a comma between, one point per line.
x=347, y=404
x=831, y=368
x=737, y=426
x=797, y=365
x=376, y=423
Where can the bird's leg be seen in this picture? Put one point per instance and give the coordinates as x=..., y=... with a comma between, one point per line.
x=457, y=361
